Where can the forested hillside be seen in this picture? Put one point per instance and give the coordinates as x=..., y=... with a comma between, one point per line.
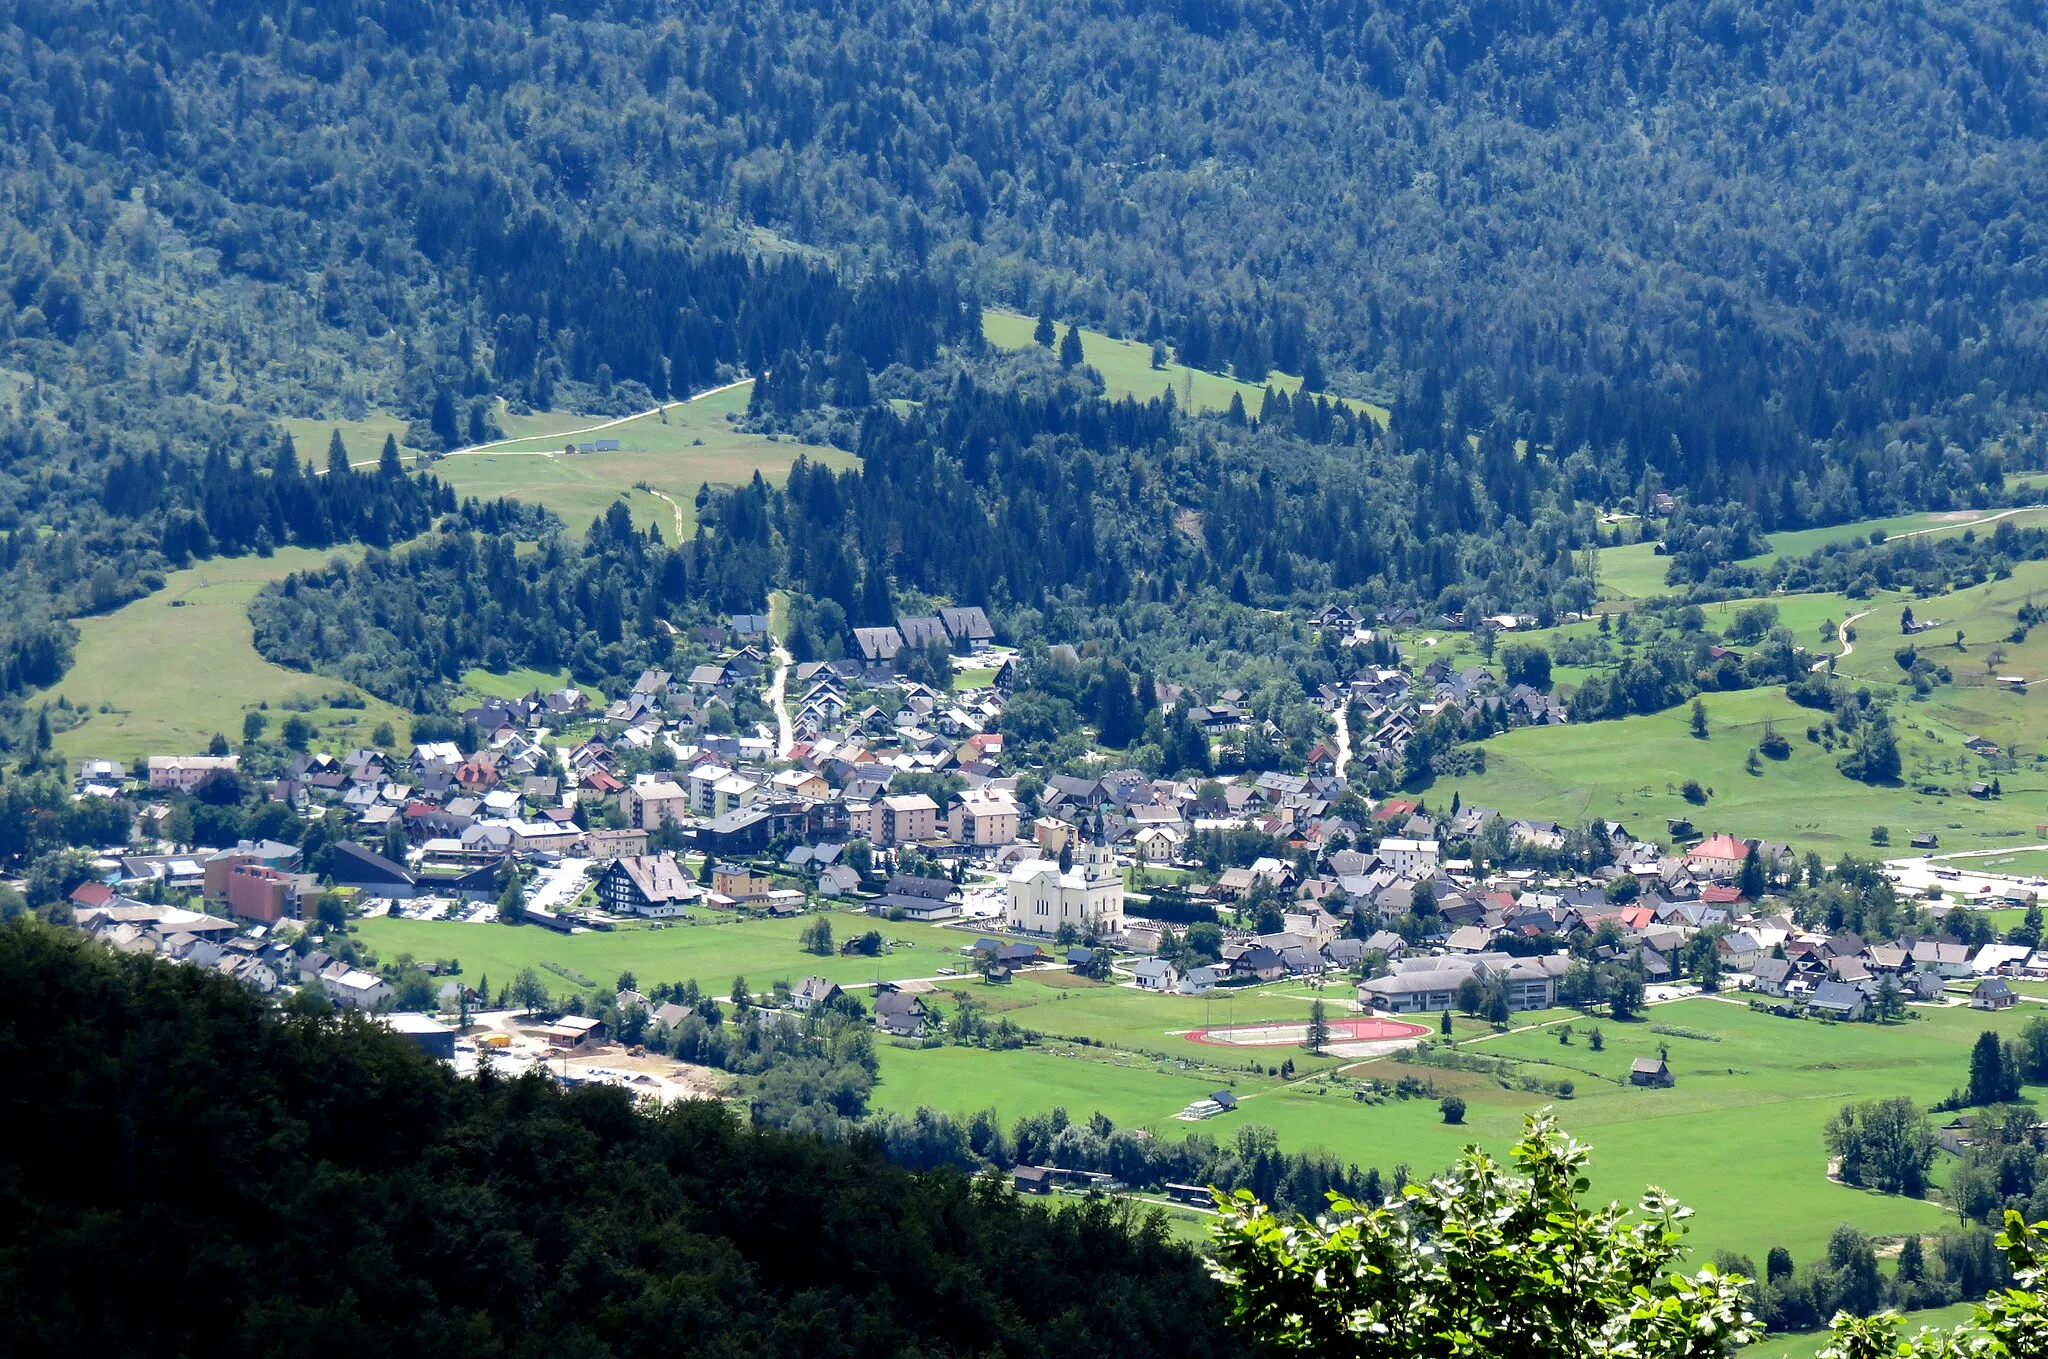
x=1778, y=259
x=1755, y=244
x=185, y=1169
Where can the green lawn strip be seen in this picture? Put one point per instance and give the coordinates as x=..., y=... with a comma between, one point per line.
x=962, y=1081
x=761, y=950
x=543, y=423
x=1635, y=570
x=2025, y=863
x=180, y=665
x=1800, y=542
x=1126, y=368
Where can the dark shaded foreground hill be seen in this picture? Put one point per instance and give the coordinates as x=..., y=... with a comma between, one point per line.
x=185, y=1170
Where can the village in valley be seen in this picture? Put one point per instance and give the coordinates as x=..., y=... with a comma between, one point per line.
x=598, y=886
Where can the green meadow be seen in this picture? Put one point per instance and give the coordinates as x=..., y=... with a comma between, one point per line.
x=2029, y=863
x=673, y=451
x=1934, y=523
x=1739, y=1137
x=1570, y=773
x=1635, y=571
x=1633, y=771
x=1126, y=368
x=172, y=669
x=1985, y=614
x=711, y=947
x=1802, y=614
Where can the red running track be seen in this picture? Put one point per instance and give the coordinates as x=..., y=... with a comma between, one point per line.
x=1292, y=1034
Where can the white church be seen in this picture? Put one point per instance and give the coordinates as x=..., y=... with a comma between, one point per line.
x=1089, y=896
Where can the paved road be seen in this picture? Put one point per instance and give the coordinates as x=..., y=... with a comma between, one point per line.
x=498, y=445
x=1963, y=524
x=1848, y=645
x=778, y=689
x=1916, y=873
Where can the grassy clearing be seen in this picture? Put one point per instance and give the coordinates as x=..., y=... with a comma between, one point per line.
x=542, y=422
x=514, y=683
x=1633, y=572
x=2027, y=863
x=1571, y=774
x=181, y=665
x=1126, y=368
x=674, y=451
x=714, y=951
x=364, y=438
x=1028, y=1081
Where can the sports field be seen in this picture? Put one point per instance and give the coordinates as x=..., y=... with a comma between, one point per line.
x=673, y=452
x=1126, y=368
x=174, y=668
x=1294, y=1035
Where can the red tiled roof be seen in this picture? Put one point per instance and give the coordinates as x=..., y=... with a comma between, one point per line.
x=91, y=894
x=1719, y=847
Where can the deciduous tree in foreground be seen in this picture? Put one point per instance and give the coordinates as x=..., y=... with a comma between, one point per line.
x=1507, y=1263
x=1483, y=1260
